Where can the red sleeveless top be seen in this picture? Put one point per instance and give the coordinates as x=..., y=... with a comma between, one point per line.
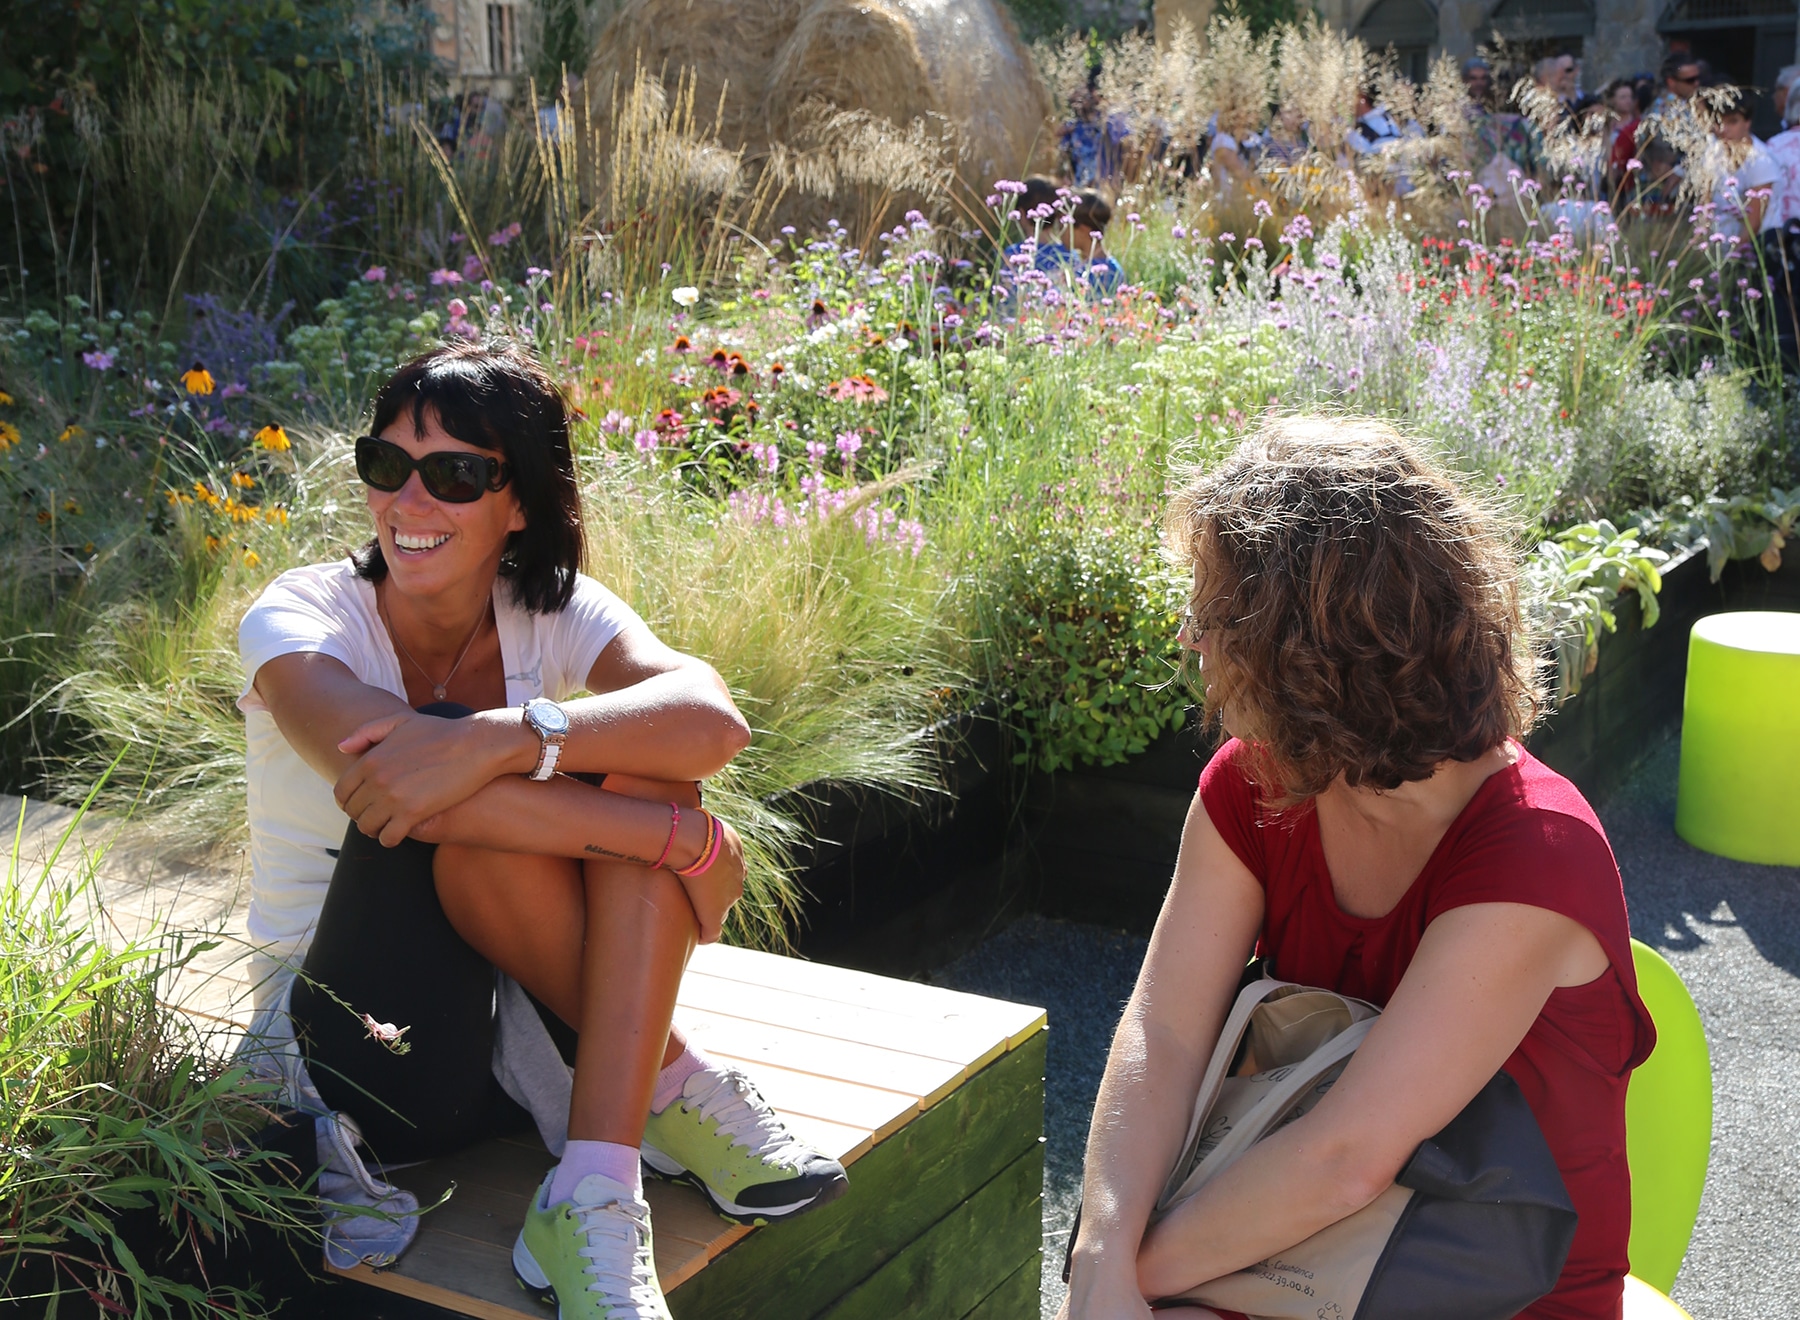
x=1527, y=836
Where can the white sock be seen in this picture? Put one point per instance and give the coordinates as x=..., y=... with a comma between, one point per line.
x=609, y=1158
x=671, y=1079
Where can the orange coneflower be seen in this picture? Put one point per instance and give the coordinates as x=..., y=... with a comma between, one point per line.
x=242, y=480
x=273, y=437
x=71, y=432
x=197, y=379
x=9, y=435
x=251, y=559
x=274, y=514
x=6, y=400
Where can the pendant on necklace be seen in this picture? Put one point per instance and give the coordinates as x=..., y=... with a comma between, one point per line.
x=438, y=692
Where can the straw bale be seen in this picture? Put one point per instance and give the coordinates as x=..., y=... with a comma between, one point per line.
x=774, y=69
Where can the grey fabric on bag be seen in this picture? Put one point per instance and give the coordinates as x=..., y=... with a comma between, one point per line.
x=1486, y=1189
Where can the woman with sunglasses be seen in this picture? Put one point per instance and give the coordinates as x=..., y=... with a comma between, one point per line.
x=422, y=688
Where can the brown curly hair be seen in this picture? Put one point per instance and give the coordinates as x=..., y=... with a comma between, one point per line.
x=1361, y=614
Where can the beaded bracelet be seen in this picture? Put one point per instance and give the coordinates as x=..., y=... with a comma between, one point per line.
x=669, y=847
x=715, y=841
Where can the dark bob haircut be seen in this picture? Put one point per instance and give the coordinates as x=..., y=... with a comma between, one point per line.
x=1362, y=614
x=495, y=395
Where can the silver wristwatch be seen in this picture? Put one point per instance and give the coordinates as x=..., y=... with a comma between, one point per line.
x=551, y=724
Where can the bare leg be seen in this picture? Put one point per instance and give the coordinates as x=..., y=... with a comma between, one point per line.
x=603, y=944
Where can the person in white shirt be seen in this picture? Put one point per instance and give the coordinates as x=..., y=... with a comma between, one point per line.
x=426, y=688
x=1784, y=150
x=1745, y=175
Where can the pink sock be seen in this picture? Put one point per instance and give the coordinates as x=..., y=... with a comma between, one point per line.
x=671, y=1079
x=609, y=1158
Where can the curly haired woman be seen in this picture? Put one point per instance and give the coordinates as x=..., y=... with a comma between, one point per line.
x=1373, y=826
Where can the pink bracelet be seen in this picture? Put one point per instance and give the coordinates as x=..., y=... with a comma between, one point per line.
x=709, y=854
x=674, y=824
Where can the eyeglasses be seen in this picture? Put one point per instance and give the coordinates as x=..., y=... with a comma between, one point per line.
x=1677, y=78
x=454, y=476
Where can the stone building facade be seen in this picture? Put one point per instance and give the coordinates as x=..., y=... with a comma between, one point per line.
x=480, y=42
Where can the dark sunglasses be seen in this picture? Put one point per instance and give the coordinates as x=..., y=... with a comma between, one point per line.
x=451, y=475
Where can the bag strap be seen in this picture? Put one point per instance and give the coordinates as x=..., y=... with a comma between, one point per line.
x=1255, y=1125
x=1231, y=1035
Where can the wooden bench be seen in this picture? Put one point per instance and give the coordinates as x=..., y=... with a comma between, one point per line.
x=933, y=1099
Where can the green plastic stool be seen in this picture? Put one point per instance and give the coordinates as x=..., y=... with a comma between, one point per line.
x=1739, y=793
x=1668, y=1124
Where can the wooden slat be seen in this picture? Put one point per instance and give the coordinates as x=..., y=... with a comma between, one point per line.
x=959, y=1041
x=950, y=1268
x=459, y=1275
x=897, y=1191
x=1018, y=1298
x=844, y=985
x=757, y=1043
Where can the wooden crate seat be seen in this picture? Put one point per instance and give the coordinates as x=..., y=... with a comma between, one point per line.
x=933, y=1099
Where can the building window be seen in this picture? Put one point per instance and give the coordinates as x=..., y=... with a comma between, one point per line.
x=503, y=39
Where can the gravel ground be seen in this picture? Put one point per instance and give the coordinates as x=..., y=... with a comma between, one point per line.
x=1732, y=931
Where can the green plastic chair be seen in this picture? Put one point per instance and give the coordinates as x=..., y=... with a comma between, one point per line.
x=1668, y=1124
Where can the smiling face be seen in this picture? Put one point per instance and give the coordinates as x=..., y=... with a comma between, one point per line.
x=432, y=546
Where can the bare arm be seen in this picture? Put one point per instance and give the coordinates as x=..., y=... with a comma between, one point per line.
x=1203, y=939
x=656, y=714
x=317, y=703
x=1479, y=979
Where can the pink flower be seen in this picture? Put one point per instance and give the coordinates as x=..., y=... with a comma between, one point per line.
x=375, y=274
x=444, y=276
x=506, y=235
x=385, y=1032
x=457, y=309
x=614, y=423
x=645, y=441
x=236, y=390
x=100, y=359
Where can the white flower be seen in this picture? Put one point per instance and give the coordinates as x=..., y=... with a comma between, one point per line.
x=687, y=295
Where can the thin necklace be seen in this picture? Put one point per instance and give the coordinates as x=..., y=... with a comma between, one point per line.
x=437, y=689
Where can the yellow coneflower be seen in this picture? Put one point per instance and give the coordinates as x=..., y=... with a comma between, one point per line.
x=9, y=435
x=252, y=559
x=177, y=499
x=238, y=513
x=205, y=495
x=6, y=400
x=242, y=480
x=273, y=437
x=197, y=379
x=276, y=515
x=71, y=432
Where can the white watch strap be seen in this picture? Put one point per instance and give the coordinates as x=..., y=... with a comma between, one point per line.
x=548, y=755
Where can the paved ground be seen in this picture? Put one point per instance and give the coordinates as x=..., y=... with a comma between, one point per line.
x=137, y=890
x=1731, y=930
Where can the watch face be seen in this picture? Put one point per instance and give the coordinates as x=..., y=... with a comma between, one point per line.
x=548, y=716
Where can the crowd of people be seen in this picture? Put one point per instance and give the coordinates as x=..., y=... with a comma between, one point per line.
x=1644, y=144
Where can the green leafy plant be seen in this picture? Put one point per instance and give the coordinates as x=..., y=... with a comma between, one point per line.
x=127, y=1139
x=1573, y=583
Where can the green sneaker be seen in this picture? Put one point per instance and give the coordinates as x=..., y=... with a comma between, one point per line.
x=592, y=1256
x=722, y=1137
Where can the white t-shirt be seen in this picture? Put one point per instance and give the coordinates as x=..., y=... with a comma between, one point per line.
x=295, y=823
x=1784, y=205
x=1756, y=170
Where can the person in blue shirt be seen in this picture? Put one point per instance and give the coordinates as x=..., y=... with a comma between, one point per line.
x=1065, y=236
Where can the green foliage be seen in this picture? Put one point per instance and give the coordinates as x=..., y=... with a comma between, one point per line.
x=116, y=1109
x=1742, y=527
x=1572, y=583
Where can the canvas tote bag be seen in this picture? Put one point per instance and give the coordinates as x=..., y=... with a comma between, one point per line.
x=1476, y=1227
